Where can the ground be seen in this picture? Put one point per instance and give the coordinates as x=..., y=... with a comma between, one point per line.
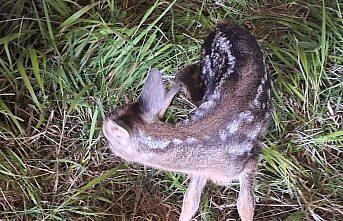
x=64, y=65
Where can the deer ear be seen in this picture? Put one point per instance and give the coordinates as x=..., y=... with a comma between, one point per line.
x=153, y=94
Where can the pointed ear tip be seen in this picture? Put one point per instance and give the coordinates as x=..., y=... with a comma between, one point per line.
x=155, y=72
x=153, y=81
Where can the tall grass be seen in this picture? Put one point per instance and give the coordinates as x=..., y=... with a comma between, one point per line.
x=65, y=64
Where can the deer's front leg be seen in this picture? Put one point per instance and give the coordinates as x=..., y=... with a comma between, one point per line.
x=191, y=199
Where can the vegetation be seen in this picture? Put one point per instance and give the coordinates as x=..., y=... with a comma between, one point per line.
x=65, y=64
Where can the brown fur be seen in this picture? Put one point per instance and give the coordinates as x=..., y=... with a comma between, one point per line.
x=220, y=141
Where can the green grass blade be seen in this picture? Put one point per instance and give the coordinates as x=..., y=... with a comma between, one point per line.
x=35, y=65
x=90, y=184
x=78, y=97
x=5, y=110
x=91, y=133
x=332, y=137
x=8, y=38
x=28, y=85
x=50, y=29
x=69, y=21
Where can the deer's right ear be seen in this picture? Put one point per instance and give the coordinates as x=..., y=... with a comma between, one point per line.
x=153, y=95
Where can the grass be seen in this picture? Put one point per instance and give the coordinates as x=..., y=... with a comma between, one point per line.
x=64, y=65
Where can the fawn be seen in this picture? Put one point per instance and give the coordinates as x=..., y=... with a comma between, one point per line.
x=220, y=141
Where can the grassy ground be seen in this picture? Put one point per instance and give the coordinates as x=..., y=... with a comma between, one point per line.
x=64, y=65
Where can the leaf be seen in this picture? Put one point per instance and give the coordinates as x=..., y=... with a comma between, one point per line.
x=48, y=23
x=296, y=216
x=77, y=98
x=5, y=110
x=28, y=85
x=91, y=133
x=35, y=65
x=69, y=21
x=9, y=38
x=335, y=136
x=89, y=185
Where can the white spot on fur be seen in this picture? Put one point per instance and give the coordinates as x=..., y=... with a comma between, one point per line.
x=256, y=101
x=207, y=105
x=207, y=69
x=265, y=68
x=177, y=141
x=267, y=115
x=263, y=81
x=223, y=135
x=198, y=114
x=220, y=42
x=215, y=96
x=191, y=140
x=233, y=126
x=219, y=57
x=259, y=90
x=184, y=122
x=268, y=91
x=154, y=143
x=247, y=116
x=206, y=137
x=240, y=148
x=255, y=131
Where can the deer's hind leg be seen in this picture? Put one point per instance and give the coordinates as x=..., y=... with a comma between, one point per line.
x=246, y=201
x=192, y=197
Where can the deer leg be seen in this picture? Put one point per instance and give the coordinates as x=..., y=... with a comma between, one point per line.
x=245, y=202
x=191, y=199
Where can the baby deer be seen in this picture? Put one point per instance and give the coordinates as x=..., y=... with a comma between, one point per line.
x=220, y=140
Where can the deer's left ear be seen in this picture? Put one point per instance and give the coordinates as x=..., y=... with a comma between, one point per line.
x=153, y=95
